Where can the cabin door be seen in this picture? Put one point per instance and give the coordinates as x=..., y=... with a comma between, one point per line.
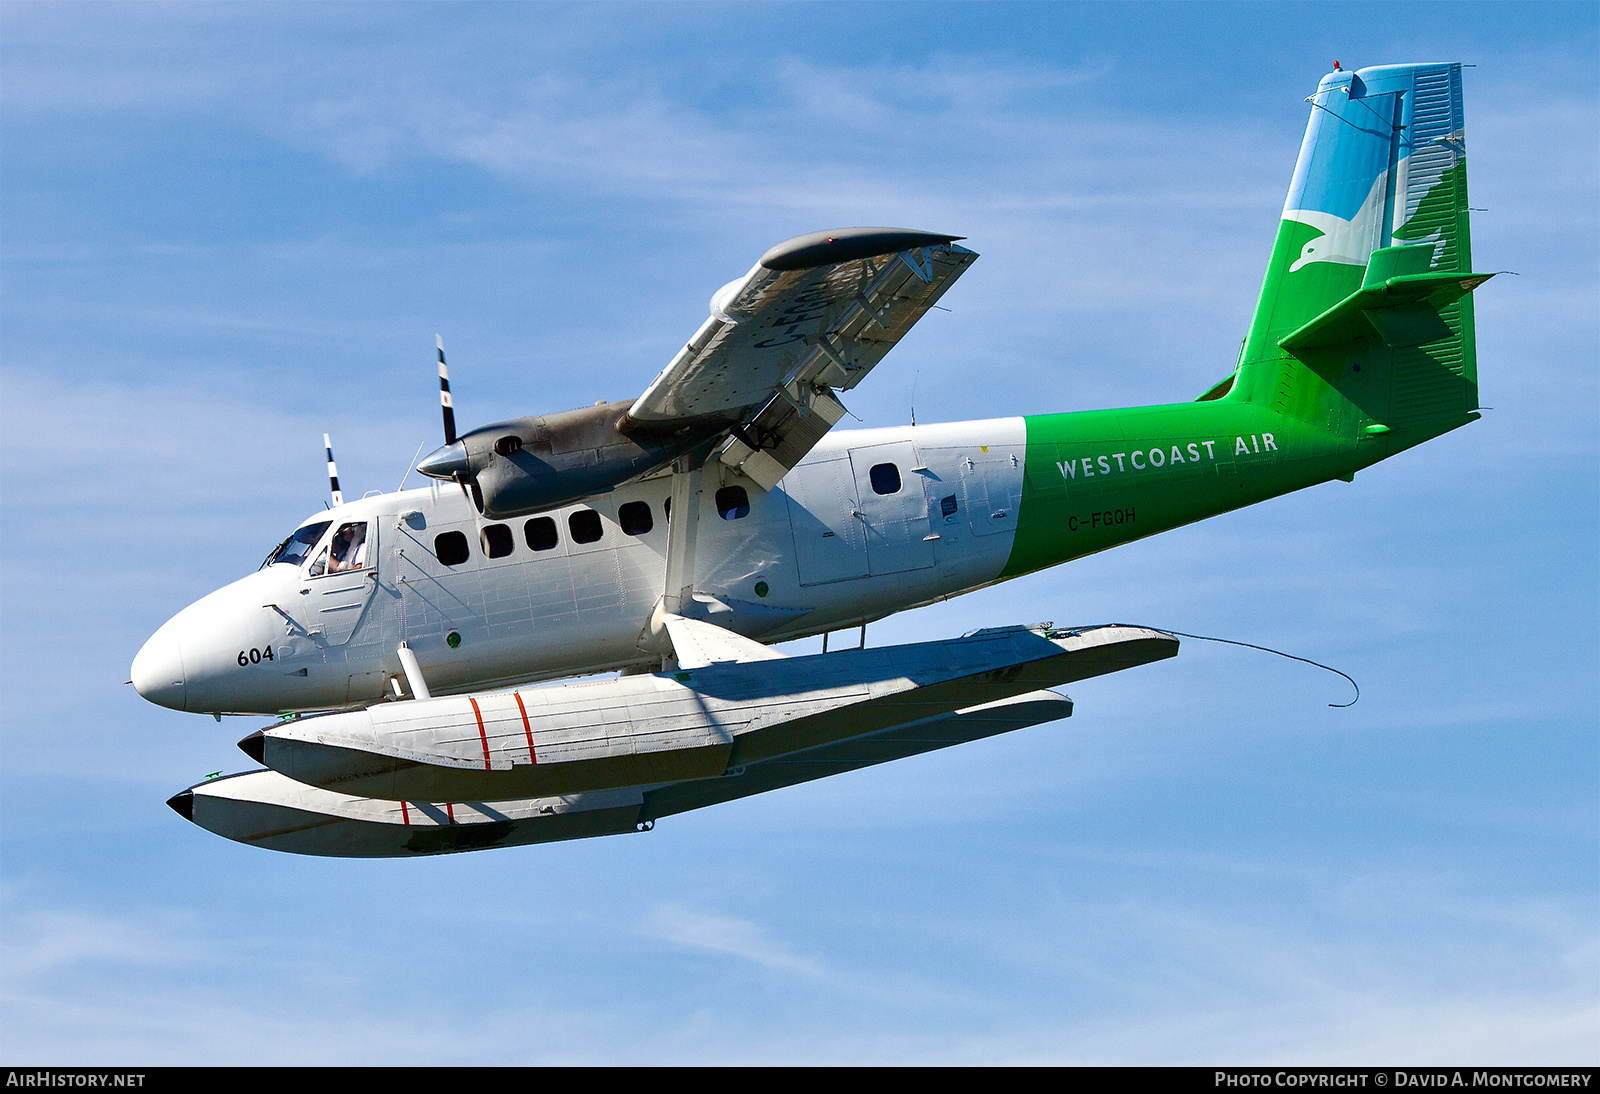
x=340, y=581
x=829, y=540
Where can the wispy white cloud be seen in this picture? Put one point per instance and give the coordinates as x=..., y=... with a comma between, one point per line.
x=688, y=927
x=39, y=944
x=1129, y=980
x=727, y=935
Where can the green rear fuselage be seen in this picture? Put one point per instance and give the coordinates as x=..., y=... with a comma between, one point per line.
x=1096, y=479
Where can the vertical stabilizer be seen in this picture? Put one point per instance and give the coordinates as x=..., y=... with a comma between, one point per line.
x=1360, y=328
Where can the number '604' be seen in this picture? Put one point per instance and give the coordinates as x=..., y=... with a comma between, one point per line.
x=255, y=656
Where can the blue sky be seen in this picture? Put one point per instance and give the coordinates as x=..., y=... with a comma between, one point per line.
x=226, y=229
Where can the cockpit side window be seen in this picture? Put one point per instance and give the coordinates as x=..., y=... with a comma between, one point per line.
x=348, y=550
x=294, y=550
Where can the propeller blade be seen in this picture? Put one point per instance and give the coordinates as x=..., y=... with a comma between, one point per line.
x=333, y=472
x=444, y=396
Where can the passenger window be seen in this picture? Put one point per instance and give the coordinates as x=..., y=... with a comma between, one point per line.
x=348, y=550
x=733, y=503
x=540, y=532
x=496, y=540
x=450, y=548
x=885, y=479
x=635, y=518
x=584, y=526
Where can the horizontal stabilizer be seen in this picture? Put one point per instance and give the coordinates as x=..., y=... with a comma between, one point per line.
x=1398, y=303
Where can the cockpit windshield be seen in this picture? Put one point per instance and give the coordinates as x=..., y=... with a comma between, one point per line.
x=294, y=549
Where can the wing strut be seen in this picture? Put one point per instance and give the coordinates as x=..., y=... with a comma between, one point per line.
x=682, y=524
x=677, y=590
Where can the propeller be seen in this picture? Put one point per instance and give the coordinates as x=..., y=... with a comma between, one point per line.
x=451, y=462
x=444, y=396
x=333, y=472
x=541, y=462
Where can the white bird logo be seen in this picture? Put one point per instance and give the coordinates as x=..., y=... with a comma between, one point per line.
x=1348, y=241
x=1352, y=241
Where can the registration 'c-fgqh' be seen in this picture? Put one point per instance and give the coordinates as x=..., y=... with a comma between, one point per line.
x=674, y=537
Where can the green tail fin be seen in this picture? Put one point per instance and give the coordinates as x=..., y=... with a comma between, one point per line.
x=1364, y=325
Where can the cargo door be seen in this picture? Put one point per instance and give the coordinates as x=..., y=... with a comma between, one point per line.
x=829, y=542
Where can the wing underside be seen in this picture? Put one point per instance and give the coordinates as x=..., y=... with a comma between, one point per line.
x=811, y=319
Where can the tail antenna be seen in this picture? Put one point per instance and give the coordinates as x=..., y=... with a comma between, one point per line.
x=444, y=395
x=333, y=472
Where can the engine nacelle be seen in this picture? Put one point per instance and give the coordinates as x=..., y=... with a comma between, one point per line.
x=530, y=464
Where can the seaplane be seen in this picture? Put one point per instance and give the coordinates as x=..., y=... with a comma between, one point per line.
x=568, y=631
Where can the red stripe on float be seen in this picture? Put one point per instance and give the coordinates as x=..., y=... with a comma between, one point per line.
x=482, y=736
x=405, y=814
x=526, y=728
x=450, y=811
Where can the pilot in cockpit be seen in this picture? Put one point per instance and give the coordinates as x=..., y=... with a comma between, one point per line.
x=349, y=548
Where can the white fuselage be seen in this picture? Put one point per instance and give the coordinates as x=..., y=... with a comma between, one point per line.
x=841, y=541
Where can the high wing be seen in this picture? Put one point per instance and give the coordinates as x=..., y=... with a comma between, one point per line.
x=753, y=388
x=811, y=318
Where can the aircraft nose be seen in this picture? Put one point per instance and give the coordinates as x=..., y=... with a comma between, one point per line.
x=158, y=670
